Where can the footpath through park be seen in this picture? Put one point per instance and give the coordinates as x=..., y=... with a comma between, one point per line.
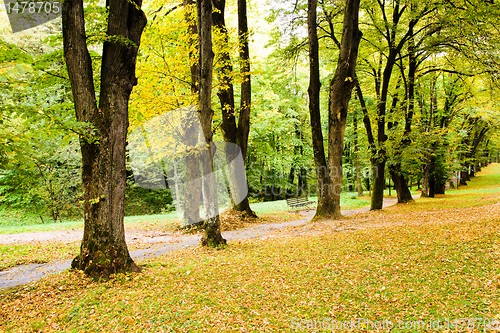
x=160, y=245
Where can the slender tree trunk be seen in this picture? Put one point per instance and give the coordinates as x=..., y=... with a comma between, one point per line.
x=325, y=206
x=212, y=235
x=231, y=133
x=103, y=250
x=359, y=186
x=192, y=185
x=246, y=94
x=302, y=186
x=425, y=179
x=246, y=85
x=432, y=177
x=291, y=179
x=399, y=179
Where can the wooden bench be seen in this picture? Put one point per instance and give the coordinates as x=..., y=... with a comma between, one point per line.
x=299, y=201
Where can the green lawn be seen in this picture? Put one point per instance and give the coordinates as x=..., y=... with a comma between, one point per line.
x=419, y=263
x=16, y=221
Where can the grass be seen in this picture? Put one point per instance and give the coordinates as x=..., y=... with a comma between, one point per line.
x=426, y=261
x=36, y=253
x=15, y=221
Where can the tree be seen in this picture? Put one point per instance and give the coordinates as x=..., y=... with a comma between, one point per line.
x=329, y=176
x=103, y=250
x=233, y=133
x=192, y=184
x=211, y=226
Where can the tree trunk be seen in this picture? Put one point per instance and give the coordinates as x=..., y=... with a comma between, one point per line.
x=472, y=172
x=400, y=184
x=339, y=95
x=291, y=179
x=246, y=85
x=425, y=179
x=359, y=186
x=246, y=94
x=212, y=235
x=378, y=181
x=103, y=250
x=230, y=132
x=463, y=177
x=325, y=206
x=302, y=185
x=192, y=185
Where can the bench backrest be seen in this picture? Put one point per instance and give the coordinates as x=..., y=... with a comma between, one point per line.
x=299, y=199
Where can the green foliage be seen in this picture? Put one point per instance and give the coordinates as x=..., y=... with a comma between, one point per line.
x=280, y=135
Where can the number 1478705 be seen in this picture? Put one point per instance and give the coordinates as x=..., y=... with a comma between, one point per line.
x=31, y=7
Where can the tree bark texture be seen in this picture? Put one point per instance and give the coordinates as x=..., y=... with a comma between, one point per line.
x=246, y=85
x=339, y=96
x=230, y=132
x=400, y=184
x=192, y=184
x=103, y=250
x=359, y=186
x=325, y=205
x=329, y=173
x=212, y=235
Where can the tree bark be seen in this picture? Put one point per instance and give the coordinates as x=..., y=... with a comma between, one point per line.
x=400, y=184
x=232, y=133
x=325, y=206
x=359, y=186
x=246, y=85
x=212, y=235
x=103, y=250
x=330, y=176
x=340, y=94
x=192, y=183
x=399, y=179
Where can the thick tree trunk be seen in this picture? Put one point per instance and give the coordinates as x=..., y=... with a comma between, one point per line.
x=467, y=172
x=339, y=95
x=439, y=188
x=103, y=250
x=400, y=184
x=212, y=235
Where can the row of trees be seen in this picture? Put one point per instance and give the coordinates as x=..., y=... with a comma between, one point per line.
x=423, y=93
x=425, y=98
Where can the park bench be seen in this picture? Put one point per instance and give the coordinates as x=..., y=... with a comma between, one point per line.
x=299, y=201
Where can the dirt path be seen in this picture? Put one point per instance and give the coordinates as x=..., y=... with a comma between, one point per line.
x=161, y=243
